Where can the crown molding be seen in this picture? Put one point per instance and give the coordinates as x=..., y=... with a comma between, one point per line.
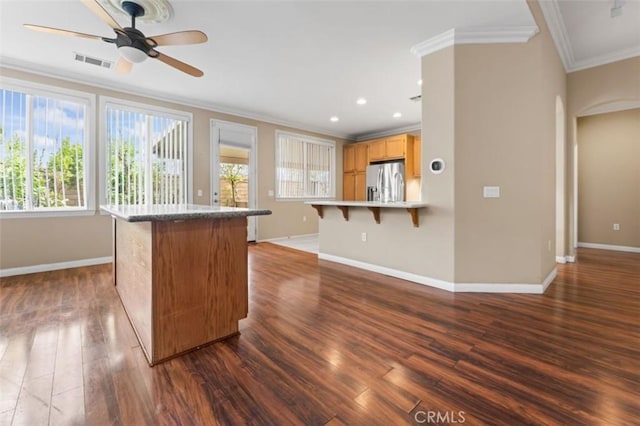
x=610, y=107
x=177, y=100
x=555, y=23
x=604, y=59
x=390, y=132
x=439, y=42
x=477, y=35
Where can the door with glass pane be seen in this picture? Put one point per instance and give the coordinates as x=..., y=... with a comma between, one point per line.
x=233, y=168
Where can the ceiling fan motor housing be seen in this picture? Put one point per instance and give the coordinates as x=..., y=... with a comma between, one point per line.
x=133, y=9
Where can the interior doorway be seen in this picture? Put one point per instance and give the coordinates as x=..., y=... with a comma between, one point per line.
x=561, y=251
x=234, y=168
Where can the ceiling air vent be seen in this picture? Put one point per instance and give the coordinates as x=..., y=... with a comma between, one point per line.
x=416, y=98
x=93, y=61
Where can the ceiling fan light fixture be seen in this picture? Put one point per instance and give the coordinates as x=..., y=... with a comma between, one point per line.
x=132, y=54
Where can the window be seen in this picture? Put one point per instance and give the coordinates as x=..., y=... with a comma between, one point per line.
x=305, y=167
x=45, y=149
x=147, y=154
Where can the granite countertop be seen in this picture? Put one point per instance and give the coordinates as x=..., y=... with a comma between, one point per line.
x=135, y=213
x=397, y=205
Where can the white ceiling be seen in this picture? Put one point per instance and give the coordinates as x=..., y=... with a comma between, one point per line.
x=294, y=62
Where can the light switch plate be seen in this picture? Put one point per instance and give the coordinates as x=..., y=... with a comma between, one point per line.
x=491, y=192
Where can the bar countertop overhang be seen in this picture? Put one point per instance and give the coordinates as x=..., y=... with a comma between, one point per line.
x=143, y=213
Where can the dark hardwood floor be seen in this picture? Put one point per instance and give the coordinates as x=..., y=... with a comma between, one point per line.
x=329, y=344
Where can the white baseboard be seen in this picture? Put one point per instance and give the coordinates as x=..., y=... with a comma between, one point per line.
x=570, y=259
x=433, y=282
x=446, y=285
x=610, y=247
x=565, y=259
x=289, y=237
x=8, y=272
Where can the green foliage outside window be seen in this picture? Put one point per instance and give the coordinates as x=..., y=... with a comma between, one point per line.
x=56, y=181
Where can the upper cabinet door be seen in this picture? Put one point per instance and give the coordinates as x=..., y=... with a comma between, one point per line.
x=361, y=157
x=349, y=158
x=395, y=146
x=377, y=150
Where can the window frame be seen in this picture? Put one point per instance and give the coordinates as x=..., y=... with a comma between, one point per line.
x=306, y=139
x=88, y=149
x=140, y=107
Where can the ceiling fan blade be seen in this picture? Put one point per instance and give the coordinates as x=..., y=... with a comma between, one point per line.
x=179, y=65
x=62, y=32
x=123, y=66
x=181, y=37
x=101, y=12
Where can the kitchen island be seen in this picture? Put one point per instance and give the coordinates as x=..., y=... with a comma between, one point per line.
x=181, y=273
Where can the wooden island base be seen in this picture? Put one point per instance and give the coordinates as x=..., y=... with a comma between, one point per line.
x=182, y=283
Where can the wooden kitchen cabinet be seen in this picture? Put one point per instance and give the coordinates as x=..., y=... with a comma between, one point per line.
x=377, y=150
x=348, y=158
x=361, y=156
x=395, y=146
x=355, y=157
x=349, y=186
x=354, y=186
x=360, y=186
x=417, y=156
x=355, y=162
x=390, y=148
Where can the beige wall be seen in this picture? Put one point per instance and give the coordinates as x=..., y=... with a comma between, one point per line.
x=395, y=243
x=490, y=112
x=599, y=86
x=28, y=241
x=609, y=178
x=505, y=136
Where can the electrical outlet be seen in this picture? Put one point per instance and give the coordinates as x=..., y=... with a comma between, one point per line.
x=199, y=192
x=304, y=218
x=270, y=193
x=364, y=237
x=616, y=226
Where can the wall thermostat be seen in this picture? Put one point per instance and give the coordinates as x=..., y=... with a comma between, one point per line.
x=436, y=166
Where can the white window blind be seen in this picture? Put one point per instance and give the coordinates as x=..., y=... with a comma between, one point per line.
x=43, y=151
x=305, y=167
x=146, y=157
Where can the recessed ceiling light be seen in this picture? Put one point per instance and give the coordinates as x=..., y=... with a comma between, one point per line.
x=361, y=101
x=420, y=82
x=397, y=115
x=334, y=119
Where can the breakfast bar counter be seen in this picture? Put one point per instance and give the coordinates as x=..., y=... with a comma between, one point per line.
x=374, y=206
x=181, y=273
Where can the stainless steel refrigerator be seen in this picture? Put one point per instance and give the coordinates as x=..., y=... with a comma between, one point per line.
x=385, y=182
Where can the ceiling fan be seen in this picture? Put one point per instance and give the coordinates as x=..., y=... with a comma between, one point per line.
x=133, y=45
